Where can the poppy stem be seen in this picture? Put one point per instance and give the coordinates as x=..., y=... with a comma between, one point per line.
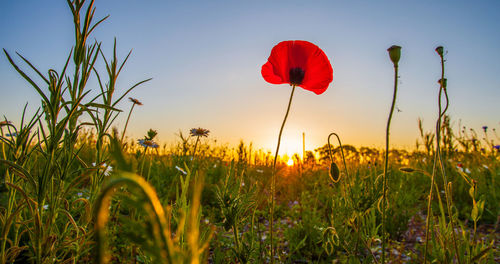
x=341, y=152
x=386, y=161
x=273, y=175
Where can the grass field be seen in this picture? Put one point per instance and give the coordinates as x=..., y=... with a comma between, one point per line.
x=76, y=189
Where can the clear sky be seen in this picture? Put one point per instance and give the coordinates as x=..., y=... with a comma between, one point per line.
x=205, y=59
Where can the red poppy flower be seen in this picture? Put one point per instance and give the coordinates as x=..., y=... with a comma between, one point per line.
x=300, y=63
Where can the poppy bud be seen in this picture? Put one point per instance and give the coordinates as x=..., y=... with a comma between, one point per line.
x=439, y=50
x=334, y=172
x=395, y=54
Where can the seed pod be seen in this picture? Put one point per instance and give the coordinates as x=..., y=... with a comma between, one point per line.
x=394, y=54
x=334, y=172
x=440, y=50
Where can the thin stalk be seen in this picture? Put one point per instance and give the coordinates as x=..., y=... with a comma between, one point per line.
x=195, y=145
x=273, y=175
x=429, y=206
x=341, y=152
x=445, y=178
x=236, y=239
x=126, y=123
x=386, y=161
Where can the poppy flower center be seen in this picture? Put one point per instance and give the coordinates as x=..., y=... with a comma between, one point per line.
x=296, y=76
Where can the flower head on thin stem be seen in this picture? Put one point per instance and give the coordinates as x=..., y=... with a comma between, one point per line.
x=199, y=132
x=148, y=143
x=298, y=63
x=135, y=101
x=394, y=54
x=440, y=50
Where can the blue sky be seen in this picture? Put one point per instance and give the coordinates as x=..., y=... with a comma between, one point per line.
x=205, y=58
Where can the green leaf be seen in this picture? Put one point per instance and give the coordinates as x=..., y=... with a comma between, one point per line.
x=103, y=106
x=474, y=213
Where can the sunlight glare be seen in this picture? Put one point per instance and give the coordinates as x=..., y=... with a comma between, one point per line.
x=289, y=162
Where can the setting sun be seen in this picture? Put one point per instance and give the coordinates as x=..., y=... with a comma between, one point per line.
x=289, y=162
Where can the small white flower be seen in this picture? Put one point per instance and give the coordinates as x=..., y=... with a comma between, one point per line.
x=467, y=170
x=484, y=166
x=108, y=170
x=242, y=184
x=105, y=167
x=206, y=221
x=45, y=207
x=181, y=170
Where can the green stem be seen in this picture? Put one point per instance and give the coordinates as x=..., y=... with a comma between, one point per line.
x=441, y=165
x=126, y=123
x=341, y=152
x=273, y=175
x=386, y=161
x=236, y=239
x=346, y=185
x=195, y=145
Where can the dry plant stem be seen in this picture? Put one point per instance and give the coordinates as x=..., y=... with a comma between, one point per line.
x=386, y=160
x=273, y=175
x=126, y=123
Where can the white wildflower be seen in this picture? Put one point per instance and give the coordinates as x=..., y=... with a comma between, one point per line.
x=181, y=170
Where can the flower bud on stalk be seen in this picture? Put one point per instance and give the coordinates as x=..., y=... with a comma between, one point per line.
x=334, y=172
x=395, y=54
x=440, y=51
